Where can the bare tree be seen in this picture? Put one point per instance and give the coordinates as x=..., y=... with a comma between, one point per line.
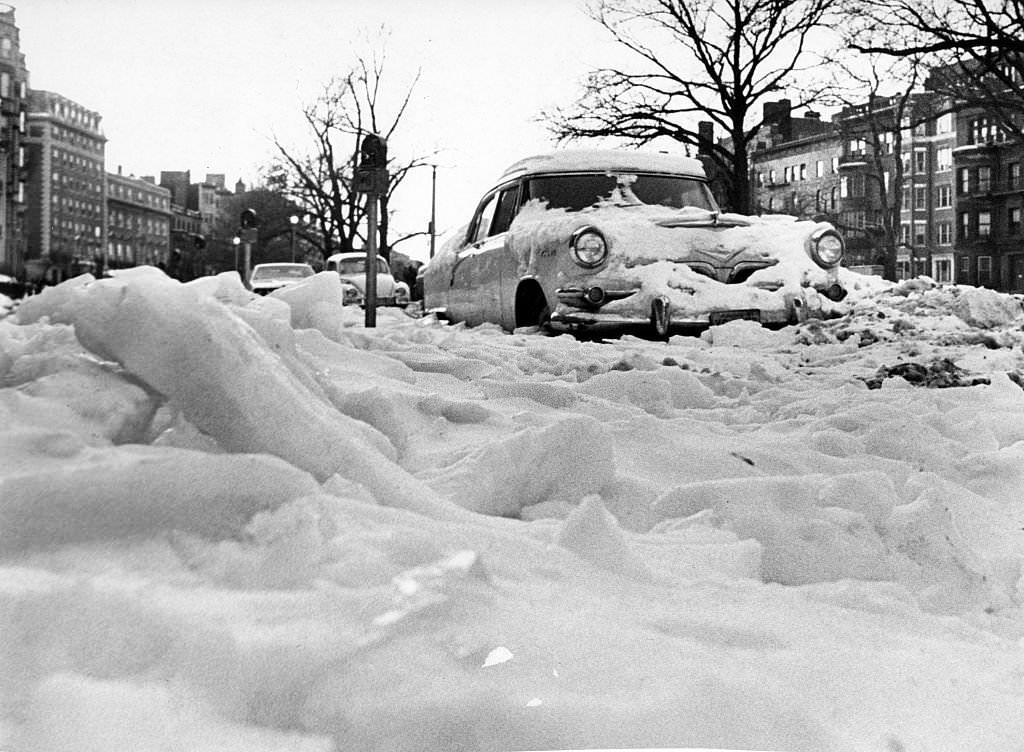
x=975, y=48
x=881, y=105
x=724, y=58
x=319, y=176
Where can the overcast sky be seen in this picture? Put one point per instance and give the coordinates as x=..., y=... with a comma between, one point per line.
x=203, y=84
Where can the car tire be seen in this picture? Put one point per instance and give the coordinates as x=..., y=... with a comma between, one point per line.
x=532, y=307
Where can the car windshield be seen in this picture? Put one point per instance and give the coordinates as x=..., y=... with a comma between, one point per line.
x=358, y=266
x=284, y=271
x=576, y=192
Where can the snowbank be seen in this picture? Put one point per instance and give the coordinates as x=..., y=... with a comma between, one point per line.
x=230, y=522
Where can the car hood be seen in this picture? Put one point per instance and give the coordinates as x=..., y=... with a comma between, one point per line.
x=385, y=283
x=274, y=281
x=645, y=234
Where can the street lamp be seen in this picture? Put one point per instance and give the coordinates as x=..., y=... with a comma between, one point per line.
x=293, y=220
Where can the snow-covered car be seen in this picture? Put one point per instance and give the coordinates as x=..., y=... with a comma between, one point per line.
x=351, y=267
x=577, y=240
x=266, y=278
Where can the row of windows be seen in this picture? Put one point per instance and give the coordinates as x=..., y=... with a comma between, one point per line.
x=127, y=253
x=138, y=196
x=151, y=225
x=80, y=140
x=983, y=179
x=70, y=159
x=796, y=172
x=970, y=226
x=73, y=113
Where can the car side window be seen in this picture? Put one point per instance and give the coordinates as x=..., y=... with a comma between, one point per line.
x=508, y=202
x=482, y=224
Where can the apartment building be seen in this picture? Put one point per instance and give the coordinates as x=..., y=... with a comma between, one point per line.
x=13, y=158
x=989, y=200
x=138, y=222
x=952, y=181
x=65, y=216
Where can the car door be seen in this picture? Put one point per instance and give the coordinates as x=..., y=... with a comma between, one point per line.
x=493, y=262
x=464, y=285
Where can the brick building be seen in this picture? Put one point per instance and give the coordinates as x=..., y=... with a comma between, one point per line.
x=13, y=160
x=138, y=222
x=65, y=217
x=989, y=200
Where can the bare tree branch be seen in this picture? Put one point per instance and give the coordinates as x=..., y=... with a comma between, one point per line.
x=725, y=59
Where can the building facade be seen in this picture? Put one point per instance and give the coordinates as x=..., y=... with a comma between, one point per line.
x=13, y=160
x=989, y=200
x=65, y=217
x=138, y=222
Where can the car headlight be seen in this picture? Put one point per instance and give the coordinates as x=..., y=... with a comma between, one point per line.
x=827, y=248
x=589, y=248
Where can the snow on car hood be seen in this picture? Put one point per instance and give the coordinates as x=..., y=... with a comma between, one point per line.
x=649, y=246
x=385, y=283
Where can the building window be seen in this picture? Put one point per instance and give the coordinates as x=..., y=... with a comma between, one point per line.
x=920, y=197
x=944, y=123
x=978, y=130
x=984, y=224
x=963, y=181
x=984, y=179
x=819, y=168
x=944, y=159
x=964, y=273
x=943, y=196
x=1013, y=220
x=803, y=172
x=919, y=234
x=844, y=186
x=964, y=226
x=835, y=165
x=984, y=270
x=920, y=161
x=1013, y=175
x=942, y=271
x=905, y=234
x=832, y=198
x=943, y=233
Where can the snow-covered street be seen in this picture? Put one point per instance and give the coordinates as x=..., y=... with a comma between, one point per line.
x=231, y=522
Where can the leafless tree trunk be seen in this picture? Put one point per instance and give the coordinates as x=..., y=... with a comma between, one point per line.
x=726, y=58
x=318, y=176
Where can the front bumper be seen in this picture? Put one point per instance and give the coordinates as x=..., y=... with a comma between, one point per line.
x=577, y=310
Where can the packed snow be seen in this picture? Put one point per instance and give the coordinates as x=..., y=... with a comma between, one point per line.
x=232, y=522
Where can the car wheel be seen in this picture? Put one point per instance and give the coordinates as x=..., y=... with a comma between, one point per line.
x=532, y=307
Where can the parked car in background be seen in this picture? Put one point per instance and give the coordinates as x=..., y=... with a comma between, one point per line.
x=351, y=267
x=266, y=278
x=578, y=240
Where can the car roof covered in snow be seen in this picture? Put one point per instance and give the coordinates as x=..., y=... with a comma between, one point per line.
x=588, y=160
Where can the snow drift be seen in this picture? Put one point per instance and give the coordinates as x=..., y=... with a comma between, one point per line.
x=232, y=522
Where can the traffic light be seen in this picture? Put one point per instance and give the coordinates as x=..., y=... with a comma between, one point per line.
x=248, y=220
x=373, y=153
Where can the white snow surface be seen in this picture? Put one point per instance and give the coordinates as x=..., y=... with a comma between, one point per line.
x=239, y=523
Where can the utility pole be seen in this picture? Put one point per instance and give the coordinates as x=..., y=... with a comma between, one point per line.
x=433, y=207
